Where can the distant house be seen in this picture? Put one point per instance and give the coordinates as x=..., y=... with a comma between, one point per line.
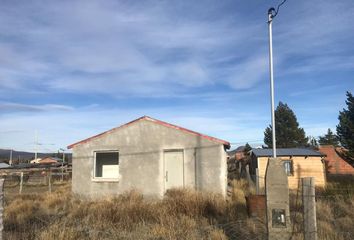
x=36, y=160
x=4, y=165
x=335, y=163
x=236, y=164
x=297, y=162
x=49, y=160
x=238, y=153
x=150, y=156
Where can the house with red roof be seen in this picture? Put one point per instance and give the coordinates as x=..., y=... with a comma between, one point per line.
x=49, y=160
x=150, y=156
x=336, y=164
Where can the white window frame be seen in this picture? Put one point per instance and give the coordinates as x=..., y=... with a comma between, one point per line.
x=102, y=179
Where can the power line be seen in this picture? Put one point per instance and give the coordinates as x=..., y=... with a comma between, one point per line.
x=277, y=10
x=248, y=141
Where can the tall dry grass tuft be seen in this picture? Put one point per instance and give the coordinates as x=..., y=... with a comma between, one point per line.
x=193, y=204
x=239, y=190
x=335, y=217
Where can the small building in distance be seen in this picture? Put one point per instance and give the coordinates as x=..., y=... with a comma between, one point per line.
x=237, y=163
x=4, y=165
x=50, y=160
x=237, y=154
x=336, y=164
x=35, y=161
x=150, y=156
x=46, y=160
x=298, y=163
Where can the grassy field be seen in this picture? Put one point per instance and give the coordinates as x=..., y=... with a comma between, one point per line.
x=182, y=214
x=12, y=189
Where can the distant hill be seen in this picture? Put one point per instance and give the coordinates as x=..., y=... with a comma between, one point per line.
x=25, y=156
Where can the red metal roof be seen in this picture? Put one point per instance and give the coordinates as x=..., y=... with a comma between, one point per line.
x=48, y=160
x=155, y=121
x=336, y=164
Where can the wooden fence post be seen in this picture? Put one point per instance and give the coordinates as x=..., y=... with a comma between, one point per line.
x=1, y=206
x=21, y=182
x=257, y=181
x=309, y=202
x=62, y=172
x=50, y=181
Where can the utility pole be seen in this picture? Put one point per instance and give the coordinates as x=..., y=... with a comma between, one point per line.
x=35, y=145
x=270, y=20
x=62, y=164
x=276, y=180
x=10, y=161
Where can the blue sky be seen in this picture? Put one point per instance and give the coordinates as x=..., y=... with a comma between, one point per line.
x=71, y=69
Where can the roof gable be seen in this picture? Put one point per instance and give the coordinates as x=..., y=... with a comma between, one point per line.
x=146, y=118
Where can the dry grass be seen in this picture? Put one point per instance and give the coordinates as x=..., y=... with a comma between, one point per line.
x=335, y=215
x=335, y=205
x=182, y=214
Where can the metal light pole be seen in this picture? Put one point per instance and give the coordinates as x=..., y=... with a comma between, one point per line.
x=10, y=161
x=62, y=164
x=36, y=145
x=270, y=20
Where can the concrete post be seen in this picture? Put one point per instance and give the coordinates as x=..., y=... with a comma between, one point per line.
x=62, y=167
x=277, y=196
x=1, y=206
x=21, y=182
x=309, y=202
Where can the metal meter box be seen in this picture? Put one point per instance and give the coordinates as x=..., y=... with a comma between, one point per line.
x=278, y=218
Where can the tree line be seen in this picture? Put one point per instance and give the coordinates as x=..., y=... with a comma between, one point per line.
x=289, y=134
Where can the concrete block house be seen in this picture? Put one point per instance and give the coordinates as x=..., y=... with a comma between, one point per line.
x=150, y=156
x=297, y=163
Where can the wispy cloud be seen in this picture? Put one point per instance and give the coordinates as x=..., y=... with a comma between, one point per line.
x=317, y=90
x=140, y=49
x=249, y=73
x=17, y=107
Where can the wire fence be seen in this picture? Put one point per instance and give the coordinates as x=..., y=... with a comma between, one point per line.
x=22, y=181
x=332, y=211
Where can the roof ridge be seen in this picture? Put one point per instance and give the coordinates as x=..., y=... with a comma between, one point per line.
x=148, y=118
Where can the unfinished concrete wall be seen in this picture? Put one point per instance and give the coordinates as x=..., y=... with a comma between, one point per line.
x=141, y=164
